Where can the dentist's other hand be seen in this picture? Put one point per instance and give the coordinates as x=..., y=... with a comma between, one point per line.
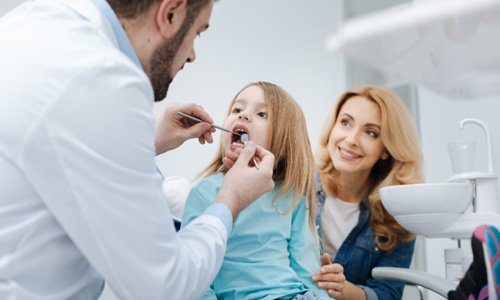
x=244, y=183
x=173, y=130
x=230, y=158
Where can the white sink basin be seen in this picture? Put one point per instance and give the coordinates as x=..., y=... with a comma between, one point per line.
x=427, y=198
x=457, y=226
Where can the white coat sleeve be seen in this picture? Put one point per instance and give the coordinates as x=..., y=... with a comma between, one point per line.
x=90, y=156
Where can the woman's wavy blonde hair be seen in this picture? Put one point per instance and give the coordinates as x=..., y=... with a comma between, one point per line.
x=404, y=166
x=288, y=140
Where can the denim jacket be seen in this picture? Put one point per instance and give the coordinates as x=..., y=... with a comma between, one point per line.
x=358, y=254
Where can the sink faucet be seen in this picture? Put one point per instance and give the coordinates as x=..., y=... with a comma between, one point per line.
x=486, y=131
x=485, y=197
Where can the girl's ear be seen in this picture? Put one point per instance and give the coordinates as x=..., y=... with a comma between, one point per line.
x=170, y=16
x=385, y=155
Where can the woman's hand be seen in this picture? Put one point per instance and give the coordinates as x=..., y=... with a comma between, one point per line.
x=331, y=277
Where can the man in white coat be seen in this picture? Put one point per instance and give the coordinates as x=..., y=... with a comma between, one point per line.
x=81, y=201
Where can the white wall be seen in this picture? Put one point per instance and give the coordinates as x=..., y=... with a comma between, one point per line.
x=6, y=5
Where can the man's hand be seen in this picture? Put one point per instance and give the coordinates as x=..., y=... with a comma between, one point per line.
x=244, y=183
x=173, y=130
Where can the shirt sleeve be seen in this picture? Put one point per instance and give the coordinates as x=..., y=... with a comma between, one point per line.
x=90, y=157
x=304, y=249
x=222, y=212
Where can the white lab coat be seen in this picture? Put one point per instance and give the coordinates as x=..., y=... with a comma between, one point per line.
x=80, y=199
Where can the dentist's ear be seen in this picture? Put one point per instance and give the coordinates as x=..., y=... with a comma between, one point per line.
x=170, y=16
x=385, y=155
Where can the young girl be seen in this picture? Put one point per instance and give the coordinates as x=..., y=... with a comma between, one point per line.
x=273, y=249
x=369, y=142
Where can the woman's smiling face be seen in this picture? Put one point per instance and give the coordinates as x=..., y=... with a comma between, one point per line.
x=355, y=144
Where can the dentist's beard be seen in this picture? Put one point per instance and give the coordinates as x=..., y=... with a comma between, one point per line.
x=162, y=60
x=161, y=68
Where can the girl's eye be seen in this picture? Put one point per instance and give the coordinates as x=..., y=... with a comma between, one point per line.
x=262, y=114
x=236, y=110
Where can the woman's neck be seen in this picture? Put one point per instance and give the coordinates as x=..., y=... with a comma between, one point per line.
x=352, y=188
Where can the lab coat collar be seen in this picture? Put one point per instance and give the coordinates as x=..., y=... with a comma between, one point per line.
x=100, y=13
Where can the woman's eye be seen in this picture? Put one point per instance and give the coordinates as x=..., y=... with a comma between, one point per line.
x=372, y=133
x=344, y=123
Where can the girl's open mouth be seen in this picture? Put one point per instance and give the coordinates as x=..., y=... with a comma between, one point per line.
x=236, y=138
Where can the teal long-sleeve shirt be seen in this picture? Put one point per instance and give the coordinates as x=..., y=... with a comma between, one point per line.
x=270, y=253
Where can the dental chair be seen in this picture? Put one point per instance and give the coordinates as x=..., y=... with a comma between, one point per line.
x=485, y=242
x=419, y=279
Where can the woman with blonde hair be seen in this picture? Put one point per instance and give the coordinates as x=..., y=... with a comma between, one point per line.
x=368, y=142
x=273, y=249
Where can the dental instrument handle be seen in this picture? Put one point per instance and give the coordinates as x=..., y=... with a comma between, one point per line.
x=244, y=139
x=255, y=163
x=224, y=129
x=199, y=120
x=484, y=127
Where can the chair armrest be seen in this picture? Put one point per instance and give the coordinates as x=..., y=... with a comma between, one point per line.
x=415, y=277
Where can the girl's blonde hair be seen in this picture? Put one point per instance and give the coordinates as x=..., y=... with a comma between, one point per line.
x=404, y=166
x=288, y=140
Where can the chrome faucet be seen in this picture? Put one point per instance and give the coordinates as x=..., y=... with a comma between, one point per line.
x=486, y=131
x=485, y=197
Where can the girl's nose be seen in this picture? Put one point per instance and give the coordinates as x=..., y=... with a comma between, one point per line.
x=243, y=116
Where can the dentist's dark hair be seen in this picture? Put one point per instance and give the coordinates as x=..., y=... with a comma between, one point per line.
x=130, y=9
